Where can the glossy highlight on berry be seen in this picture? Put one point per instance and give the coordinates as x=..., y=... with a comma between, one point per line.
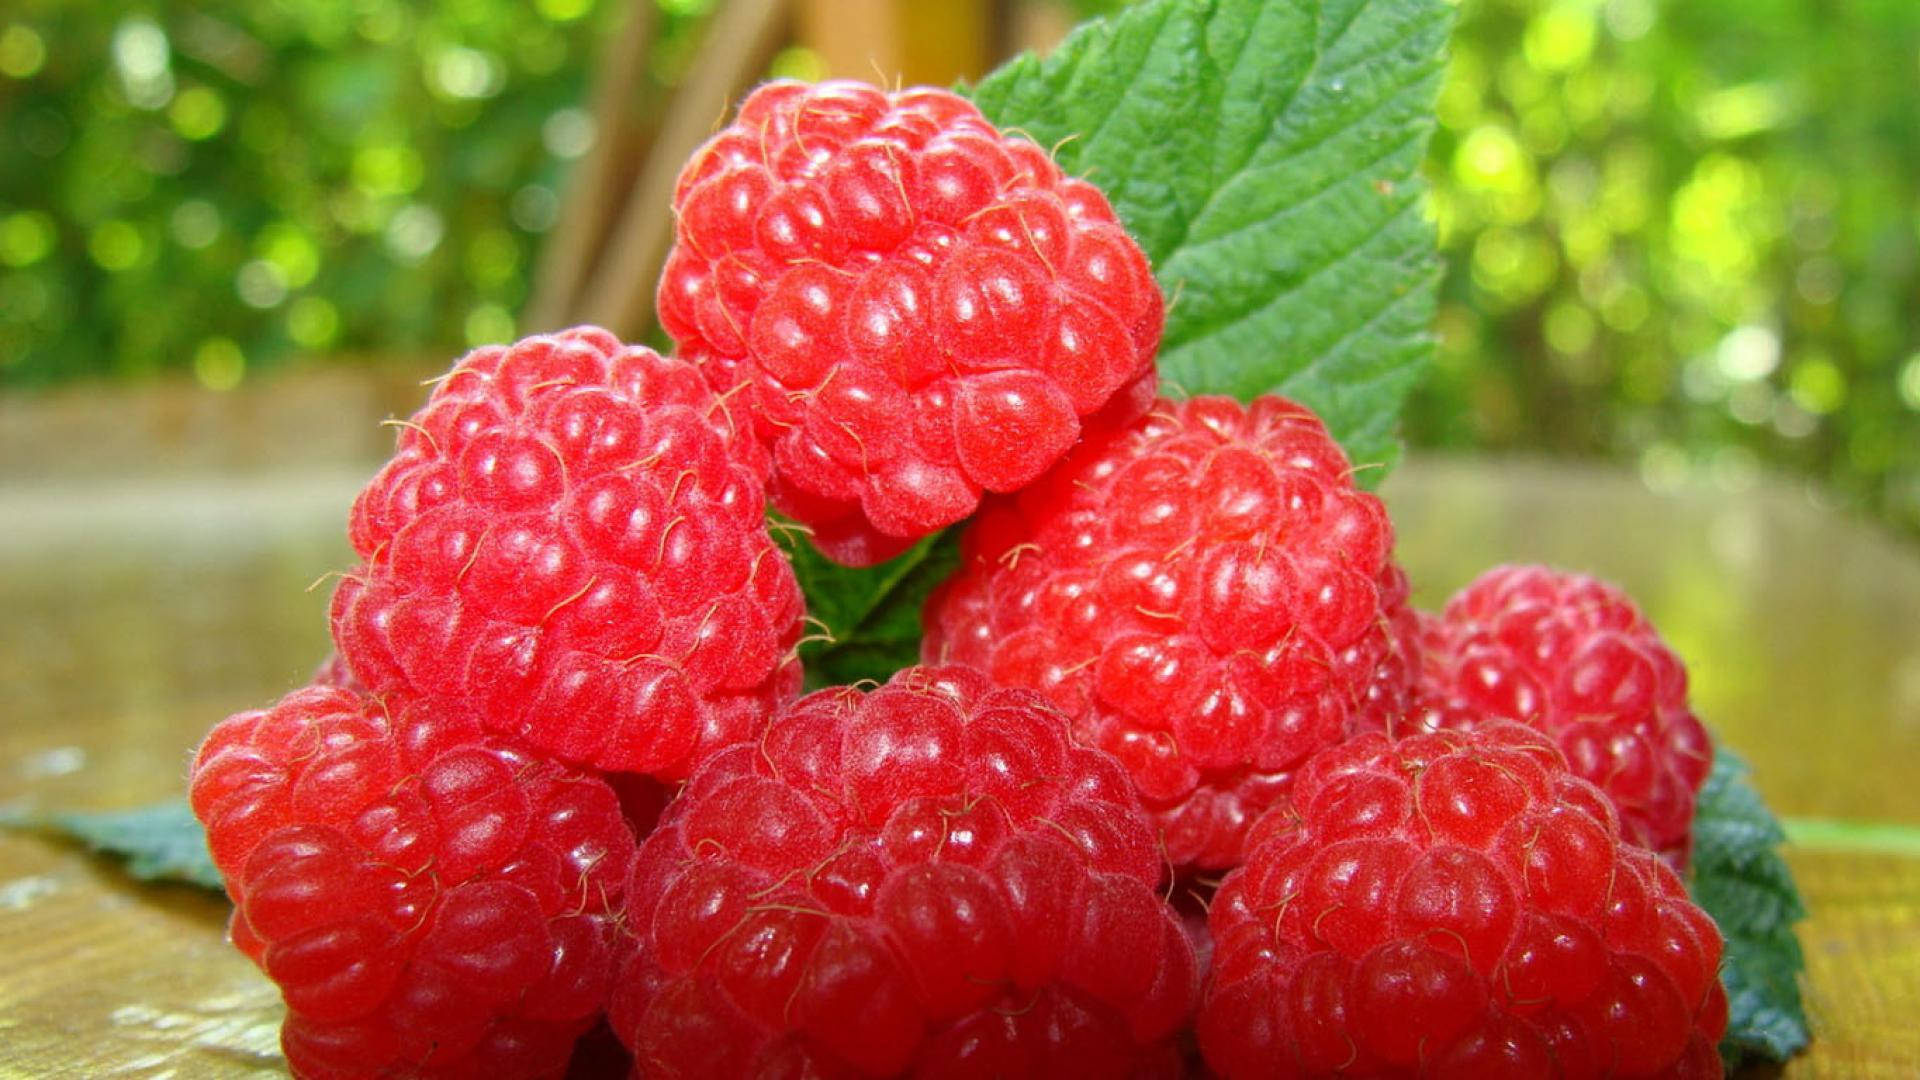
x=928, y=878
x=1205, y=593
x=430, y=901
x=1573, y=656
x=570, y=542
x=916, y=308
x=1456, y=905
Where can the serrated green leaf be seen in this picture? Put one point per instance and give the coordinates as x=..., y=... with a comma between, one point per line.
x=1265, y=154
x=161, y=842
x=1742, y=881
x=868, y=617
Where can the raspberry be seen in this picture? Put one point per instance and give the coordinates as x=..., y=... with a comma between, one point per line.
x=430, y=902
x=923, y=308
x=1574, y=657
x=333, y=672
x=1460, y=905
x=1204, y=593
x=927, y=878
x=571, y=539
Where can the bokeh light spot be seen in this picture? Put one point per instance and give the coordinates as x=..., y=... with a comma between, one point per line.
x=313, y=322
x=197, y=113
x=143, y=57
x=1748, y=353
x=1739, y=111
x=1910, y=382
x=291, y=251
x=387, y=169
x=467, y=74
x=1629, y=20
x=1490, y=158
x=798, y=62
x=568, y=133
x=116, y=245
x=563, y=10
x=195, y=224
x=534, y=208
x=414, y=232
x=218, y=364
x=26, y=237
x=489, y=324
x=1569, y=327
x=22, y=52
x=1514, y=265
x=1817, y=385
x=260, y=284
x=1559, y=38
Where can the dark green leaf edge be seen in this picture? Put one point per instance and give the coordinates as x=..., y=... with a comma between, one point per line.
x=1740, y=878
x=159, y=842
x=1266, y=156
x=866, y=620
x=1316, y=115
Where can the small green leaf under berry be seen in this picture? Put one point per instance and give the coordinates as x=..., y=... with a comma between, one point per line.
x=1740, y=878
x=160, y=842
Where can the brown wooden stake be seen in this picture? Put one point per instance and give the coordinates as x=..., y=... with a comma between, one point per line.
x=855, y=39
x=592, y=190
x=739, y=40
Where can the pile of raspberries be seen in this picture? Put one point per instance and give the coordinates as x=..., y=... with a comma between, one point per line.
x=1183, y=786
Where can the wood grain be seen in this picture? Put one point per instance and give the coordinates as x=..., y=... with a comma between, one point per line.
x=106, y=976
x=1863, y=962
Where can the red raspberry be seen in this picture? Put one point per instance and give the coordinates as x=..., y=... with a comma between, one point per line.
x=922, y=307
x=927, y=878
x=333, y=672
x=1574, y=657
x=571, y=538
x=1457, y=905
x=430, y=902
x=1204, y=593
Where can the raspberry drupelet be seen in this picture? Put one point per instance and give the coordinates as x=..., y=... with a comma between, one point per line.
x=1573, y=656
x=918, y=308
x=570, y=541
x=1457, y=904
x=926, y=879
x=1206, y=595
x=431, y=902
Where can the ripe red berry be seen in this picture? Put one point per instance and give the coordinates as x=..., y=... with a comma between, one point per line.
x=918, y=308
x=1457, y=905
x=1207, y=596
x=333, y=672
x=570, y=540
x=1573, y=656
x=928, y=878
x=430, y=902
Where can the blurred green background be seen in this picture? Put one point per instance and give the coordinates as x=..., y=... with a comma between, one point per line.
x=1683, y=236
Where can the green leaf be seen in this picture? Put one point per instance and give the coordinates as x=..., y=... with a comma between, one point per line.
x=1741, y=880
x=1265, y=155
x=869, y=617
x=161, y=842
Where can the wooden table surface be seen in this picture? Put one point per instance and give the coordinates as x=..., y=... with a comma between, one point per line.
x=153, y=586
